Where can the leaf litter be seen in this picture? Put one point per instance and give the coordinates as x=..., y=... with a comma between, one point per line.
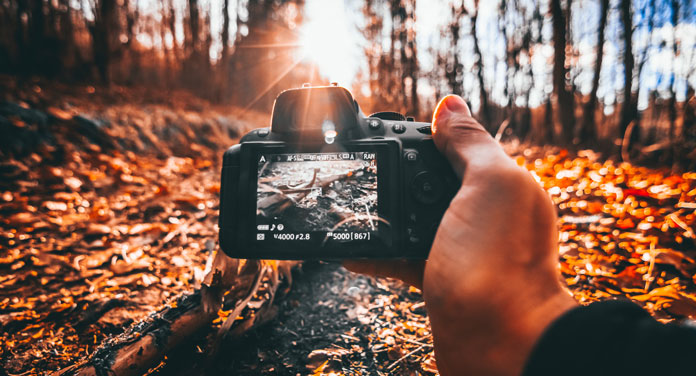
x=109, y=210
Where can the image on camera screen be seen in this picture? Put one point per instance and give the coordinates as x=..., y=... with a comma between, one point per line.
x=303, y=196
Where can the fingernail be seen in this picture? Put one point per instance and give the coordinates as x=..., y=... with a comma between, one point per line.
x=449, y=104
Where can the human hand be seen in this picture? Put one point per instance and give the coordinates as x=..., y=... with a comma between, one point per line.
x=490, y=283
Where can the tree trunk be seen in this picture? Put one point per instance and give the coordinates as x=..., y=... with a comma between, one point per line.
x=415, y=106
x=484, y=110
x=162, y=26
x=225, y=29
x=589, y=129
x=412, y=57
x=672, y=109
x=548, y=119
x=564, y=97
x=403, y=58
x=20, y=37
x=70, y=55
x=194, y=26
x=509, y=58
x=171, y=20
x=133, y=50
x=689, y=110
x=637, y=130
x=223, y=65
x=101, y=37
x=373, y=36
x=452, y=72
x=627, y=108
x=37, y=35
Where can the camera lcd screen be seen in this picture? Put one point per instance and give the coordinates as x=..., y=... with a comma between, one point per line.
x=317, y=198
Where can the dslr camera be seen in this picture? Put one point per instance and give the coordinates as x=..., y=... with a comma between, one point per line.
x=324, y=181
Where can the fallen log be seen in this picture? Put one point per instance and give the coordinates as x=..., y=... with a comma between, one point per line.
x=280, y=200
x=144, y=344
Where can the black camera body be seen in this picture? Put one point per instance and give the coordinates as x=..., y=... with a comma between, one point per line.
x=327, y=182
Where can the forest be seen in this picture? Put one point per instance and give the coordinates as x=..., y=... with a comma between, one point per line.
x=114, y=116
x=617, y=74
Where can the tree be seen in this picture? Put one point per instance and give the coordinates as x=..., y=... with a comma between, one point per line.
x=565, y=111
x=649, y=9
x=393, y=72
x=104, y=29
x=450, y=62
x=171, y=25
x=37, y=32
x=588, y=132
x=373, y=50
x=672, y=105
x=69, y=55
x=132, y=17
x=409, y=58
x=515, y=25
x=484, y=112
x=628, y=112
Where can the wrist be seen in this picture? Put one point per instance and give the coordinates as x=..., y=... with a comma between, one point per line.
x=494, y=333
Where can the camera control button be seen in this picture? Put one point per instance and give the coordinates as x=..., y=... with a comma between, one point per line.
x=412, y=237
x=425, y=129
x=411, y=156
x=263, y=132
x=373, y=124
x=427, y=187
x=398, y=128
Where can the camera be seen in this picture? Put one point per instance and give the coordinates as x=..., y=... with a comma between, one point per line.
x=327, y=182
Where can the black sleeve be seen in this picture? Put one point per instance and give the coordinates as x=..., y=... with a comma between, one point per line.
x=613, y=338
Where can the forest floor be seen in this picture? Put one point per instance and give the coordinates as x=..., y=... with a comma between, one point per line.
x=108, y=210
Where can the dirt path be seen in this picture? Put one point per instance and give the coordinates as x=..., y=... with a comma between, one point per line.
x=331, y=321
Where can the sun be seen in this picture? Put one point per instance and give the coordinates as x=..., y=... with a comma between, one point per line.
x=327, y=42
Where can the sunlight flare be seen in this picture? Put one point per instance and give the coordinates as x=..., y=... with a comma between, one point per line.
x=327, y=41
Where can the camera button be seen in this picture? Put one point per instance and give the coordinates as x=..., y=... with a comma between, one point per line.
x=427, y=188
x=373, y=123
x=411, y=156
x=398, y=128
x=425, y=129
x=412, y=237
x=263, y=132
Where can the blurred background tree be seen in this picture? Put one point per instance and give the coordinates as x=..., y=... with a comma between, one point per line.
x=616, y=75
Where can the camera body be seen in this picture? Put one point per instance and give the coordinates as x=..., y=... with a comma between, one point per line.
x=327, y=182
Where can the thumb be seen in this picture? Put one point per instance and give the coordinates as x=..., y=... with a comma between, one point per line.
x=463, y=141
